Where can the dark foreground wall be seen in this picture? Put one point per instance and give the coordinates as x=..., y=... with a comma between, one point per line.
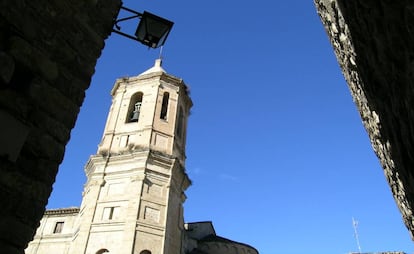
x=374, y=45
x=48, y=52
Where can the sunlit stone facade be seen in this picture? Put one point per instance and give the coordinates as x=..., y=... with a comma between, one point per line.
x=132, y=201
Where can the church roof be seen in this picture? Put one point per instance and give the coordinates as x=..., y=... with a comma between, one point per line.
x=216, y=238
x=156, y=68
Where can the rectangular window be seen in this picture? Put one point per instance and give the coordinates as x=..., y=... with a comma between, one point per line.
x=58, y=227
x=164, y=106
x=110, y=213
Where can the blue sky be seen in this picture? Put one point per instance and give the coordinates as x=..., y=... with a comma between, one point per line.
x=276, y=149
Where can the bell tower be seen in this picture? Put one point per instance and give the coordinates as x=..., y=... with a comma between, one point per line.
x=132, y=201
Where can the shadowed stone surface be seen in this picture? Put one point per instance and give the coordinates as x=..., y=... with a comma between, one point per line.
x=373, y=42
x=48, y=52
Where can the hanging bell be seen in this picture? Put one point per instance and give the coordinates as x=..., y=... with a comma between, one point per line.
x=134, y=116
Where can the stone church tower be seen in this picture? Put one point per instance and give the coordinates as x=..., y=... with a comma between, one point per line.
x=137, y=176
x=133, y=199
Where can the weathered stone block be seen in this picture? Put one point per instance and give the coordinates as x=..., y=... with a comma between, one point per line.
x=6, y=67
x=56, y=128
x=54, y=102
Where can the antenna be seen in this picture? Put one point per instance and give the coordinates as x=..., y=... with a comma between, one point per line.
x=355, y=224
x=160, y=56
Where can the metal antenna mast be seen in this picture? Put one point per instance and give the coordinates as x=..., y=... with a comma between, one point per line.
x=355, y=224
x=160, y=56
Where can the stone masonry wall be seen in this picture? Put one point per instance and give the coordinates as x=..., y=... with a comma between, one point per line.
x=48, y=52
x=373, y=42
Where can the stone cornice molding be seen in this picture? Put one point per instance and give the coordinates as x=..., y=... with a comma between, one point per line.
x=62, y=211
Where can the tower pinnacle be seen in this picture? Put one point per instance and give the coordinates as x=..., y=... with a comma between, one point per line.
x=156, y=68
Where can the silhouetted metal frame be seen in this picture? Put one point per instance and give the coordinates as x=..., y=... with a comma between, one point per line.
x=117, y=27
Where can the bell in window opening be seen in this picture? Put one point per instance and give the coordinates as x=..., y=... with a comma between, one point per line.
x=135, y=113
x=134, y=107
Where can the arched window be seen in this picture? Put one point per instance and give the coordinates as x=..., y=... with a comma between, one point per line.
x=102, y=251
x=134, y=107
x=164, y=107
x=145, y=252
